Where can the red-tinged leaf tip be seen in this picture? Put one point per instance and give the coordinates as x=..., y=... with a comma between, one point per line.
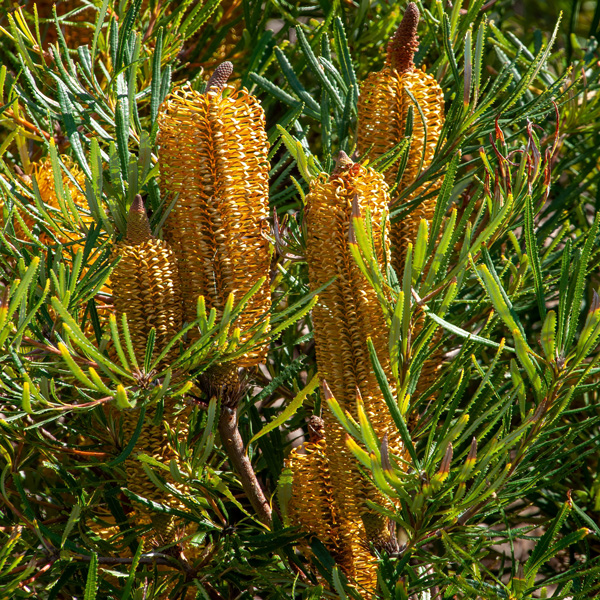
x=358, y=395
x=520, y=572
x=218, y=80
x=473, y=450
x=499, y=132
x=327, y=391
x=356, y=214
x=385, y=454
x=540, y=410
x=351, y=234
x=445, y=466
x=595, y=305
x=405, y=42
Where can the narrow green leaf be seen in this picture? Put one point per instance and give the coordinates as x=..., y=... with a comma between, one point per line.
x=156, y=76
x=548, y=337
x=149, y=350
x=524, y=355
x=91, y=584
x=132, y=572
x=290, y=409
x=73, y=518
x=391, y=404
x=337, y=583
x=581, y=274
x=341, y=45
x=420, y=251
x=68, y=112
x=294, y=82
x=534, y=256
x=446, y=29
x=132, y=442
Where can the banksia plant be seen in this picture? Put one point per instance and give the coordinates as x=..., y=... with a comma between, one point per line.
x=146, y=285
x=347, y=313
x=126, y=476
x=213, y=155
x=383, y=108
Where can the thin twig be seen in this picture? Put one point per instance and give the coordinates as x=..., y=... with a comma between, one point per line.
x=145, y=559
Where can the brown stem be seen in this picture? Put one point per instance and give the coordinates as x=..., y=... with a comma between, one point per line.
x=234, y=446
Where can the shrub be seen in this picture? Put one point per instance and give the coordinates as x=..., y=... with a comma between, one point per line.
x=298, y=301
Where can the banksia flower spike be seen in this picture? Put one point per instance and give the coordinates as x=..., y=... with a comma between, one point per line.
x=312, y=505
x=346, y=314
x=146, y=285
x=348, y=311
x=213, y=153
x=146, y=289
x=154, y=441
x=44, y=176
x=383, y=107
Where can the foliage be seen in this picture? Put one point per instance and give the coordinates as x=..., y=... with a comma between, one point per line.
x=502, y=446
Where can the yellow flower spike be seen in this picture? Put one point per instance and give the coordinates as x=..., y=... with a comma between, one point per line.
x=347, y=313
x=311, y=505
x=213, y=153
x=383, y=108
x=44, y=176
x=146, y=286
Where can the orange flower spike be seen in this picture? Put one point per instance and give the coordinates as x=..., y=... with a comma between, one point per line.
x=145, y=285
x=347, y=313
x=146, y=289
x=312, y=506
x=383, y=109
x=213, y=153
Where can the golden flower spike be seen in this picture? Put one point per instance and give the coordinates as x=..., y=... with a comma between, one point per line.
x=145, y=285
x=348, y=311
x=311, y=505
x=213, y=154
x=346, y=314
x=146, y=289
x=383, y=106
